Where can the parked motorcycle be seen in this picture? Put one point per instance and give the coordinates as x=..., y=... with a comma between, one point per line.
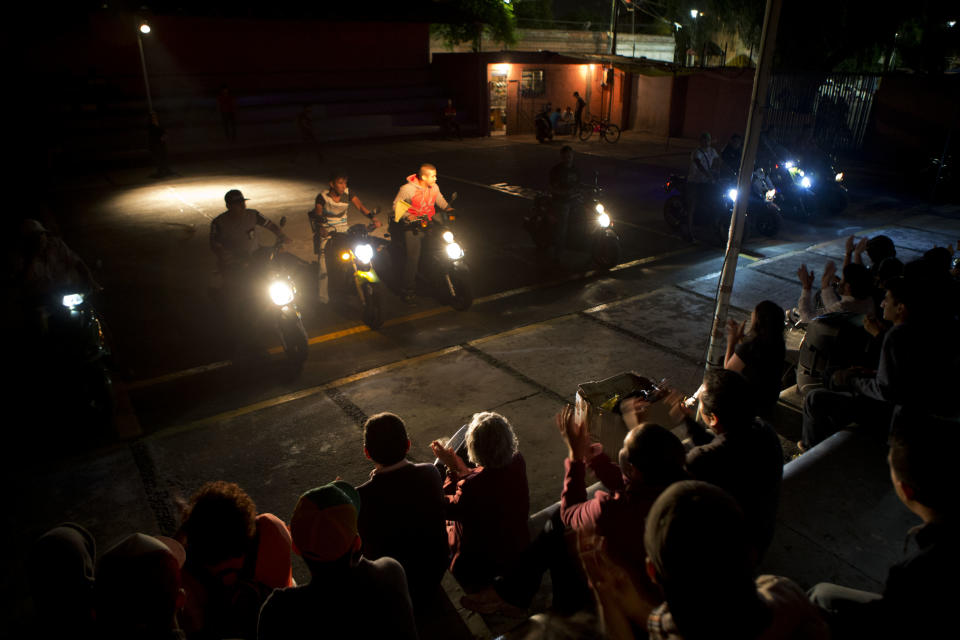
x=714, y=212
x=589, y=226
x=283, y=293
x=442, y=262
x=541, y=124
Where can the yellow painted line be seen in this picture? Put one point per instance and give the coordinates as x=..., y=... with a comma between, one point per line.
x=747, y=256
x=169, y=377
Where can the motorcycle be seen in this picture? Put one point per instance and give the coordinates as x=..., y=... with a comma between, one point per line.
x=358, y=256
x=826, y=182
x=763, y=215
x=442, y=262
x=589, y=224
x=283, y=294
x=542, y=126
x=795, y=189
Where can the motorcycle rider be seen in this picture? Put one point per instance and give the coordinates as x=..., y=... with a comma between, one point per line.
x=414, y=202
x=701, y=177
x=233, y=236
x=565, y=194
x=328, y=219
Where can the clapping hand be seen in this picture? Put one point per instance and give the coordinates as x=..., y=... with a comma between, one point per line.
x=734, y=331
x=575, y=433
x=806, y=277
x=829, y=274
x=449, y=457
x=622, y=606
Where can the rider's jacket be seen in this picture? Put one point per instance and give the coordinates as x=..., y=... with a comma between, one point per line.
x=421, y=199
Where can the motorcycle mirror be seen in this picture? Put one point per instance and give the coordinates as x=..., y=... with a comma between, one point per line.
x=283, y=220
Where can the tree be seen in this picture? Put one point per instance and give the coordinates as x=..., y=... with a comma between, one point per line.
x=468, y=20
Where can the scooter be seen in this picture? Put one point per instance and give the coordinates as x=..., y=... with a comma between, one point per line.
x=442, y=262
x=542, y=126
x=714, y=212
x=589, y=224
x=283, y=293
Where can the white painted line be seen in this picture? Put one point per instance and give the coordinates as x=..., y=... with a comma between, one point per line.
x=173, y=192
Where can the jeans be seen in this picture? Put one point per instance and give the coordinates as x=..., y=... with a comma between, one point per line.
x=825, y=412
x=413, y=238
x=844, y=609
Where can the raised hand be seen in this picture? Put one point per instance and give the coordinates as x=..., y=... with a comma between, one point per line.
x=449, y=457
x=574, y=432
x=734, y=331
x=829, y=273
x=806, y=277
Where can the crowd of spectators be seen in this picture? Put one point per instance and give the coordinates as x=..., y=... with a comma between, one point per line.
x=666, y=547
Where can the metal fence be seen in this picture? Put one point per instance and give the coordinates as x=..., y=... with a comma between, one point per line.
x=835, y=107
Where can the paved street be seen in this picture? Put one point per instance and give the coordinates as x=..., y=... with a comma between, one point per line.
x=530, y=338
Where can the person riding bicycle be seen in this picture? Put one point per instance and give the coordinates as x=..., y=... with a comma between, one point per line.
x=413, y=204
x=328, y=219
x=565, y=193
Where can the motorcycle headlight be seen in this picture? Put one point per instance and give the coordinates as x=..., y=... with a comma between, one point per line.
x=72, y=300
x=789, y=164
x=839, y=177
x=600, y=208
x=364, y=253
x=732, y=194
x=281, y=293
x=447, y=237
x=770, y=195
x=603, y=220
x=805, y=182
x=345, y=256
x=454, y=252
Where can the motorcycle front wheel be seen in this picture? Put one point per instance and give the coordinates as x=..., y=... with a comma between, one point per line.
x=372, y=304
x=606, y=250
x=768, y=222
x=293, y=338
x=674, y=212
x=457, y=290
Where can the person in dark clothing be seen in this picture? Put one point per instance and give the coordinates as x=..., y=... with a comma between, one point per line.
x=917, y=600
x=565, y=193
x=402, y=508
x=759, y=356
x=227, y=107
x=307, y=135
x=348, y=596
x=578, y=112
x=738, y=452
x=62, y=582
x=905, y=374
x=730, y=155
x=157, y=145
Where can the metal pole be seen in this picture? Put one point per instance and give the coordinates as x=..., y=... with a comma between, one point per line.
x=143, y=65
x=758, y=108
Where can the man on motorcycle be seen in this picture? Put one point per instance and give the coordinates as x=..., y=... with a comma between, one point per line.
x=704, y=163
x=415, y=202
x=329, y=218
x=565, y=192
x=233, y=234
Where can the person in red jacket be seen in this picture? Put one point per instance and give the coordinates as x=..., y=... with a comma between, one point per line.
x=415, y=202
x=488, y=505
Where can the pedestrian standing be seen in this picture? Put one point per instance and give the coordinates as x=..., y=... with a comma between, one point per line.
x=578, y=113
x=227, y=107
x=307, y=136
x=157, y=144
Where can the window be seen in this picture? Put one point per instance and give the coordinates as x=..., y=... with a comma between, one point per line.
x=531, y=83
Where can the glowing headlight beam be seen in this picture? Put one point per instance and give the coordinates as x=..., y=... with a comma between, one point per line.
x=732, y=194
x=454, y=252
x=447, y=236
x=364, y=253
x=788, y=164
x=72, y=300
x=839, y=177
x=603, y=220
x=770, y=195
x=805, y=183
x=281, y=293
x=600, y=208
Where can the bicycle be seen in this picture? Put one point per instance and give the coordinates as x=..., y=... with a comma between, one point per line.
x=608, y=131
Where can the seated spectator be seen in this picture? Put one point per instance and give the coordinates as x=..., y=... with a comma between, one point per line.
x=554, y=119
x=487, y=506
x=402, y=509
x=62, y=579
x=916, y=601
x=740, y=453
x=651, y=459
x=905, y=375
x=348, y=596
x=854, y=291
x=759, y=356
x=887, y=270
x=138, y=589
x=878, y=249
x=698, y=553
x=235, y=558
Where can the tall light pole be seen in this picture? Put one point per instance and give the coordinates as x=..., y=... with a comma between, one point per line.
x=694, y=13
x=143, y=28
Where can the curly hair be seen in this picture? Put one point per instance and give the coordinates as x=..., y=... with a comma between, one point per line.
x=491, y=441
x=219, y=523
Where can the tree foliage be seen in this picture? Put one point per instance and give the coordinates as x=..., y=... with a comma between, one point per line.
x=467, y=20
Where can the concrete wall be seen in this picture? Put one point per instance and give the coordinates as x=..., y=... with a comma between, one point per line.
x=650, y=104
x=638, y=45
x=717, y=101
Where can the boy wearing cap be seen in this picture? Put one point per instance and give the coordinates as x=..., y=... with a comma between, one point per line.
x=345, y=588
x=233, y=236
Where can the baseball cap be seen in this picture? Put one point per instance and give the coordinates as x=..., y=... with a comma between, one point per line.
x=324, y=522
x=137, y=571
x=234, y=195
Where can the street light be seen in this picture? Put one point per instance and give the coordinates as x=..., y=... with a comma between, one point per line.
x=143, y=28
x=694, y=13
